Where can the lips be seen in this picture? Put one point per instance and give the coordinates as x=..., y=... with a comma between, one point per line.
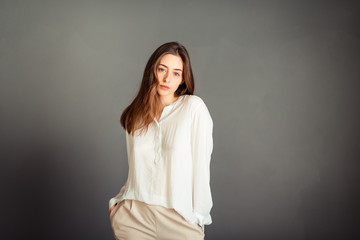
x=163, y=86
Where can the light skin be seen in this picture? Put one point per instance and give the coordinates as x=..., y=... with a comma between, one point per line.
x=112, y=208
x=170, y=74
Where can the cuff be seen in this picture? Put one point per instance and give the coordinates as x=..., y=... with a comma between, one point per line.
x=203, y=220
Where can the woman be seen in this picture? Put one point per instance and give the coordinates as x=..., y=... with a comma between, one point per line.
x=169, y=145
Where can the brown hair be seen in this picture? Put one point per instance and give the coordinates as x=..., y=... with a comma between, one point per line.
x=140, y=113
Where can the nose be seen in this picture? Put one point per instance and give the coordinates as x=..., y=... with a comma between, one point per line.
x=167, y=77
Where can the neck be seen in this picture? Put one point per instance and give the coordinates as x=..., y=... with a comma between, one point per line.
x=167, y=101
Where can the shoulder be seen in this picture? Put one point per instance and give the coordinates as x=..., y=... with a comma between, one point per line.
x=194, y=101
x=197, y=107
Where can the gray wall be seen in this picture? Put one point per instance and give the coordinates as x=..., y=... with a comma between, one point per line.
x=280, y=79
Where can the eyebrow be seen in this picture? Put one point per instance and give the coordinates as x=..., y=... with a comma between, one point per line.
x=168, y=67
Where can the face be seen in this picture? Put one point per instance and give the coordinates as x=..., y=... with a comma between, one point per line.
x=169, y=76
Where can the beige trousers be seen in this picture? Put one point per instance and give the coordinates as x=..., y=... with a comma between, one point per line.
x=136, y=220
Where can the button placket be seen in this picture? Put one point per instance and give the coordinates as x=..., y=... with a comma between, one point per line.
x=158, y=135
x=158, y=144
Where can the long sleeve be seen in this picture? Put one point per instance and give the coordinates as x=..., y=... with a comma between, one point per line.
x=201, y=148
x=115, y=199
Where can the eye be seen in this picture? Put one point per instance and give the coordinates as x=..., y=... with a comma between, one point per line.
x=177, y=74
x=161, y=70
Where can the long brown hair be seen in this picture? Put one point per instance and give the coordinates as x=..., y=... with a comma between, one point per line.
x=140, y=113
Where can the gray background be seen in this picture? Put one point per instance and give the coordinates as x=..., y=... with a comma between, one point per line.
x=280, y=79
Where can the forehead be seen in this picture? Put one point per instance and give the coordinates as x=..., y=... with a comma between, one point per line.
x=172, y=61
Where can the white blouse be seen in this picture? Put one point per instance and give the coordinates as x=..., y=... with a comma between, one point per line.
x=170, y=164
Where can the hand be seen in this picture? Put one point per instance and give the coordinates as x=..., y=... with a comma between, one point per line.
x=112, y=208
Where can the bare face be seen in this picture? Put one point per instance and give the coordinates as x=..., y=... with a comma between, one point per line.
x=169, y=77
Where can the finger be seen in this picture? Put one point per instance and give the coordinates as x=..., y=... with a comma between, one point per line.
x=112, y=207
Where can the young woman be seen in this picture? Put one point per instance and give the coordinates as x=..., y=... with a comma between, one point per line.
x=169, y=145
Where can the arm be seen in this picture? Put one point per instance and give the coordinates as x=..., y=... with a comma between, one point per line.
x=202, y=146
x=113, y=201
